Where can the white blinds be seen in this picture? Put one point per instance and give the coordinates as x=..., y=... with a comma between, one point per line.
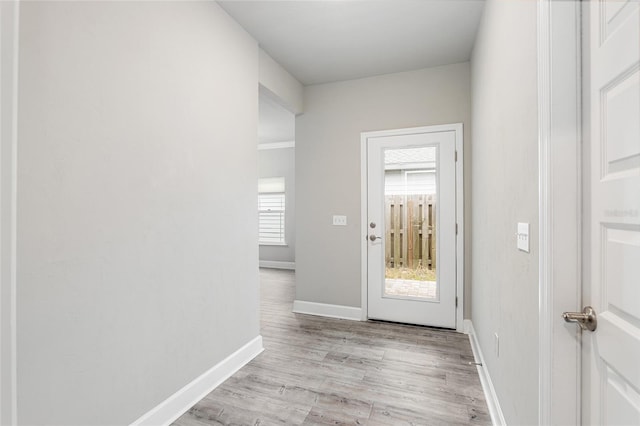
x=271, y=210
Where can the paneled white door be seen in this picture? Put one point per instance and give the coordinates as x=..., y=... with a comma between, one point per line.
x=411, y=227
x=611, y=354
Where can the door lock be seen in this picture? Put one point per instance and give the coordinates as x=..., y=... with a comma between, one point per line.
x=586, y=319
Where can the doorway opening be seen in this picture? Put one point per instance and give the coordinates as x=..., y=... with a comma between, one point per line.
x=276, y=183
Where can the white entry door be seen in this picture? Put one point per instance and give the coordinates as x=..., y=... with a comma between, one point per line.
x=411, y=226
x=611, y=354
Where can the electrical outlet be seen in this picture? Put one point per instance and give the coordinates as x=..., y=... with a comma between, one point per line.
x=339, y=220
x=496, y=344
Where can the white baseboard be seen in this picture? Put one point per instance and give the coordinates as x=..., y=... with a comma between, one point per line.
x=326, y=310
x=497, y=418
x=177, y=404
x=277, y=264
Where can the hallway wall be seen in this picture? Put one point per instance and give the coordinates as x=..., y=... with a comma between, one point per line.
x=505, y=191
x=328, y=165
x=137, y=171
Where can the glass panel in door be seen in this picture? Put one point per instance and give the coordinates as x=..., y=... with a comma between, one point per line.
x=410, y=196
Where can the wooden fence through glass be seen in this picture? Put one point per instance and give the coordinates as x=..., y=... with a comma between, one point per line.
x=410, y=231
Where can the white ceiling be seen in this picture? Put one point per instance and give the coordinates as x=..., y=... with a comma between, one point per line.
x=334, y=40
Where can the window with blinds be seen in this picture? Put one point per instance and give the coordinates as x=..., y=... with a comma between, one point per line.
x=271, y=210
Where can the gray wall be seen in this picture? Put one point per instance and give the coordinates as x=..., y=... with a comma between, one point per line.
x=137, y=269
x=328, y=165
x=274, y=163
x=505, y=191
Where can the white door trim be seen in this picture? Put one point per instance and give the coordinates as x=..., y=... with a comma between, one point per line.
x=9, y=20
x=560, y=213
x=457, y=128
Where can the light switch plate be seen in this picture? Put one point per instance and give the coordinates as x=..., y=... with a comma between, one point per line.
x=522, y=237
x=339, y=220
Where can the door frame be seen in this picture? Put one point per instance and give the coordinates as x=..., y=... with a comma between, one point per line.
x=560, y=140
x=9, y=36
x=457, y=128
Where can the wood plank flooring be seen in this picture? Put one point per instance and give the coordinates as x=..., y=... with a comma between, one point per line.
x=322, y=371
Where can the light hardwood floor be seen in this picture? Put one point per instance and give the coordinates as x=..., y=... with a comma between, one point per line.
x=331, y=372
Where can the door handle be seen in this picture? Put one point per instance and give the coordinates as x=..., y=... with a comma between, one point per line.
x=586, y=319
x=373, y=237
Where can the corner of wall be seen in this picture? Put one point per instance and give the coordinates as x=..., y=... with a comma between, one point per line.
x=493, y=403
x=279, y=83
x=177, y=404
